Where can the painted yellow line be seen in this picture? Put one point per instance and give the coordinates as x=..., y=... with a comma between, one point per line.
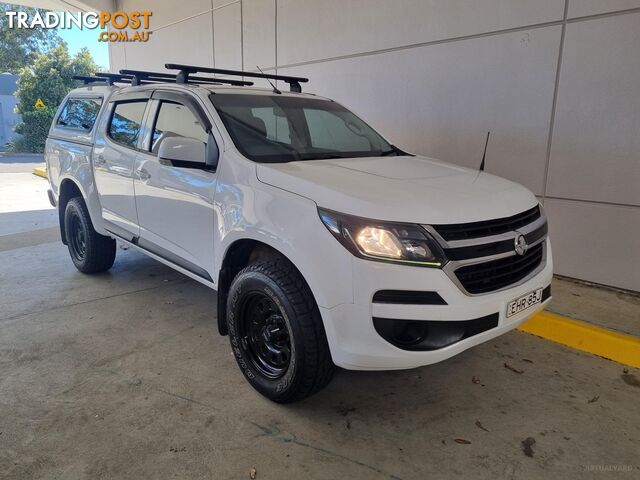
x=40, y=172
x=586, y=337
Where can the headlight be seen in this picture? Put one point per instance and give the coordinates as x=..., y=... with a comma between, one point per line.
x=384, y=241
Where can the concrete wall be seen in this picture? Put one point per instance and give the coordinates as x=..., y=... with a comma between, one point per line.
x=557, y=82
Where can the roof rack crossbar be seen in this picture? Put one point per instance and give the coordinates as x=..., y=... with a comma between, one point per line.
x=89, y=80
x=186, y=70
x=108, y=79
x=157, y=76
x=114, y=77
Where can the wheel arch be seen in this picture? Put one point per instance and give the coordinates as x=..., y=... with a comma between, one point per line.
x=68, y=189
x=238, y=255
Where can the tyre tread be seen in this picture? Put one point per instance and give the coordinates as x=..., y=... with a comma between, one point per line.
x=101, y=250
x=318, y=368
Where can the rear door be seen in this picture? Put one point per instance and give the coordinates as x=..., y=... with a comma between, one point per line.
x=116, y=149
x=175, y=203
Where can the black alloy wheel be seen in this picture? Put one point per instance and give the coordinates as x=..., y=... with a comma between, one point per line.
x=265, y=335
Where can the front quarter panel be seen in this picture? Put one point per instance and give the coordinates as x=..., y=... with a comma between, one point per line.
x=245, y=208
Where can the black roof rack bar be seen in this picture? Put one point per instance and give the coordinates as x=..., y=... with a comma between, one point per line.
x=88, y=80
x=109, y=79
x=186, y=70
x=114, y=77
x=157, y=76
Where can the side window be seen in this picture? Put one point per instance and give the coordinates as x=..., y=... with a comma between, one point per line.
x=124, y=127
x=80, y=113
x=176, y=120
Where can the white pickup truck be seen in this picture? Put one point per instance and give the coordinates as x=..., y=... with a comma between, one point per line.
x=327, y=245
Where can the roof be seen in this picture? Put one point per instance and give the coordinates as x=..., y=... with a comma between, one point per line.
x=8, y=84
x=254, y=91
x=107, y=90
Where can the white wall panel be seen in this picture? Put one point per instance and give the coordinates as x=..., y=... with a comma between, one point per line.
x=259, y=33
x=165, y=12
x=596, y=242
x=227, y=34
x=170, y=45
x=312, y=30
x=117, y=59
x=581, y=8
x=222, y=3
x=441, y=100
x=595, y=153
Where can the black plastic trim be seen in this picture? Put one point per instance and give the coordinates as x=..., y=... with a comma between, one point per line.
x=486, y=249
x=161, y=252
x=172, y=257
x=408, y=297
x=429, y=335
x=546, y=293
x=465, y=231
x=188, y=101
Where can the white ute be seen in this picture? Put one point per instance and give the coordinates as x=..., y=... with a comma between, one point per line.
x=327, y=245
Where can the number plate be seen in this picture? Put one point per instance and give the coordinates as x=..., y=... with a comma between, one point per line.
x=527, y=300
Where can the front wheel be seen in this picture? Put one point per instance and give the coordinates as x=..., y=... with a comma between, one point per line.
x=90, y=251
x=276, y=332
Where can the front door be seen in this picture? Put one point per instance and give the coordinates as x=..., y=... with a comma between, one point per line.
x=175, y=204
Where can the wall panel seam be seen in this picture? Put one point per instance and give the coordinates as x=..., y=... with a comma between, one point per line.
x=213, y=38
x=596, y=16
x=225, y=5
x=554, y=103
x=241, y=38
x=534, y=26
x=183, y=20
x=596, y=202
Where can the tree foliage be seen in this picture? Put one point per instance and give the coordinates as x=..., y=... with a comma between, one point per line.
x=20, y=46
x=49, y=78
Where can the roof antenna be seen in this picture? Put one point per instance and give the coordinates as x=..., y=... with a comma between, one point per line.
x=275, y=90
x=484, y=155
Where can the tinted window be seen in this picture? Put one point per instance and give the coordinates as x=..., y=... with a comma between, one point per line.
x=125, y=122
x=175, y=120
x=80, y=113
x=274, y=128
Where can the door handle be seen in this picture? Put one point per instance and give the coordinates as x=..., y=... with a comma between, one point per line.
x=143, y=174
x=100, y=160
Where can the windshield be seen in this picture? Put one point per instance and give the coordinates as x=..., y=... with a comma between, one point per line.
x=277, y=129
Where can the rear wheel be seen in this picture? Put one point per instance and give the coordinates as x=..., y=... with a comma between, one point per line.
x=276, y=332
x=90, y=251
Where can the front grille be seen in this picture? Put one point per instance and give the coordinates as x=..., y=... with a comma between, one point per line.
x=497, y=274
x=465, y=231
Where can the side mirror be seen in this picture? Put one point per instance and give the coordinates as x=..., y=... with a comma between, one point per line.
x=183, y=152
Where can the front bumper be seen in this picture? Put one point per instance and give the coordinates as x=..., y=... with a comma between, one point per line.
x=355, y=344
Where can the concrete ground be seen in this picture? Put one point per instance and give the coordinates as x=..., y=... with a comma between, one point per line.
x=123, y=376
